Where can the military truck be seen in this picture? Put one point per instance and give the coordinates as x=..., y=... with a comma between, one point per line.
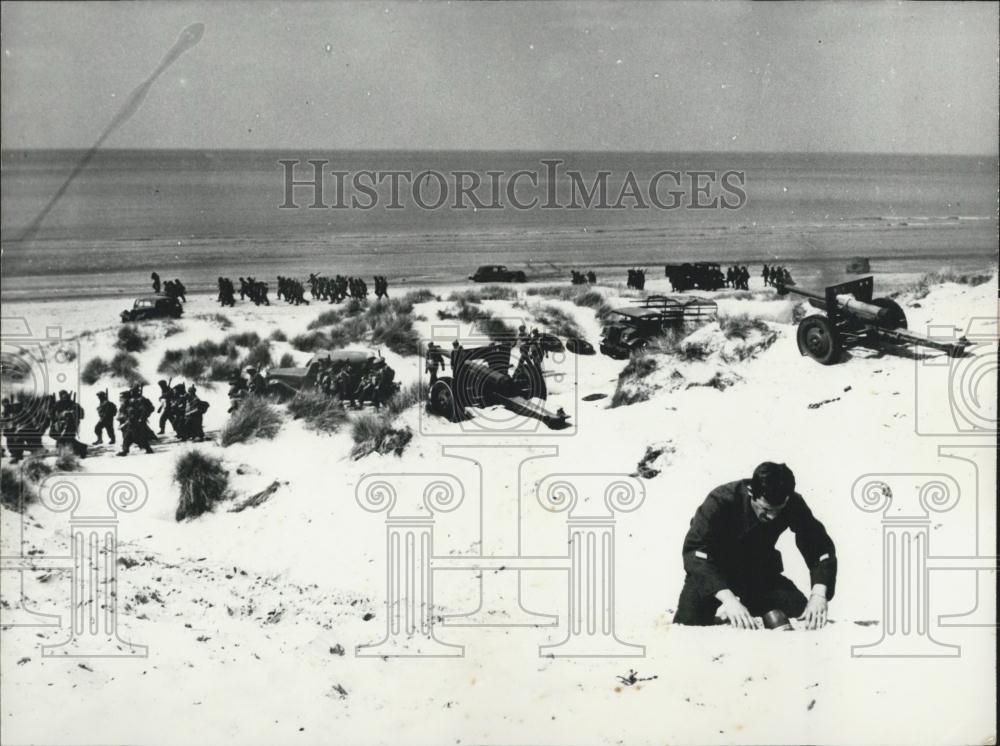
x=634, y=327
x=498, y=273
x=695, y=276
x=153, y=307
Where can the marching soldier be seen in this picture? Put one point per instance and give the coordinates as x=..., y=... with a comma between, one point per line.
x=106, y=411
x=733, y=569
x=132, y=415
x=433, y=360
x=193, y=412
x=65, y=424
x=156, y=282
x=166, y=397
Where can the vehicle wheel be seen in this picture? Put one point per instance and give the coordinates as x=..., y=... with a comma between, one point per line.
x=896, y=318
x=441, y=399
x=818, y=338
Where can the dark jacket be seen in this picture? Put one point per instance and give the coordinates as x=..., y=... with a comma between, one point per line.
x=727, y=546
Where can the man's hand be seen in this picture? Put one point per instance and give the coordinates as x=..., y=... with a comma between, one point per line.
x=733, y=611
x=815, y=613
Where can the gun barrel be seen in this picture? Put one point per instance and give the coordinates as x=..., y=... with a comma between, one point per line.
x=867, y=311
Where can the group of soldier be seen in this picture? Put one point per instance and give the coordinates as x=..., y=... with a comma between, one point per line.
x=179, y=406
x=636, y=279
x=373, y=382
x=170, y=288
x=291, y=291
x=776, y=276
x=336, y=289
x=738, y=277
x=582, y=278
x=255, y=290
x=27, y=418
x=243, y=385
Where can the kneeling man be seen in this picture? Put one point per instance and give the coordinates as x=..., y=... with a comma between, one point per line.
x=733, y=569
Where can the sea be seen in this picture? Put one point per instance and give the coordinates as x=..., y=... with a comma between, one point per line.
x=198, y=214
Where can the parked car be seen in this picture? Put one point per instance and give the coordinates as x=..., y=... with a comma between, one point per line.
x=498, y=273
x=153, y=307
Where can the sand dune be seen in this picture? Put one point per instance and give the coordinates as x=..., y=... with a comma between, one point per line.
x=252, y=618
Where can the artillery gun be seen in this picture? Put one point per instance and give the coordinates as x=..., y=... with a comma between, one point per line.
x=855, y=319
x=655, y=315
x=481, y=377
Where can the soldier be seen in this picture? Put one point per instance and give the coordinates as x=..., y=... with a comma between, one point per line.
x=255, y=382
x=193, y=412
x=66, y=423
x=342, y=384
x=591, y=277
x=376, y=383
x=766, y=274
x=106, y=411
x=180, y=290
x=237, y=392
x=433, y=360
x=156, y=282
x=456, y=353
x=133, y=423
x=166, y=395
x=733, y=569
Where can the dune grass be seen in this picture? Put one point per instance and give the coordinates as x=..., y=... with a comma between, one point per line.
x=93, y=370
x=327, y=318
x=126, y=366
x=558, y=322
x=278, y=336
x=216, y=361
x=15, y=492
x=255, y=418
x=220, y=320
x=130, y=339
x=924, y=285
x=67, y=461
x=384, y=324
x=374, y=433
x=319, y=411
x=740, y=326
x=203, y=483
x=627, y=391
x=287, y=361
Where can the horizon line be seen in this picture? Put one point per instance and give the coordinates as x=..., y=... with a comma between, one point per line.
x=502, y=150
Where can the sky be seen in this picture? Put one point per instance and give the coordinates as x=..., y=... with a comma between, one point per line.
x=672, y=76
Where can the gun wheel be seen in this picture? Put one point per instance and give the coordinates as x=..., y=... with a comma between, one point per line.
x=441, y=399
x=818, y=339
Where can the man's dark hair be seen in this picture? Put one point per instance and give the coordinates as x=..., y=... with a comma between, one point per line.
x=772, y=482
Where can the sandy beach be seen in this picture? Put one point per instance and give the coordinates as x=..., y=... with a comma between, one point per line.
x=252, y=619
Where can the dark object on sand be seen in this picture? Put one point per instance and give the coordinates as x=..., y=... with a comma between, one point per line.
x=776, y=619
x=481, y=377
x=153, y=307
x=694, y=275
x=579, y=346
x=855, y=319
x=498, y=273
x=859, y=265
x=633, y=328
